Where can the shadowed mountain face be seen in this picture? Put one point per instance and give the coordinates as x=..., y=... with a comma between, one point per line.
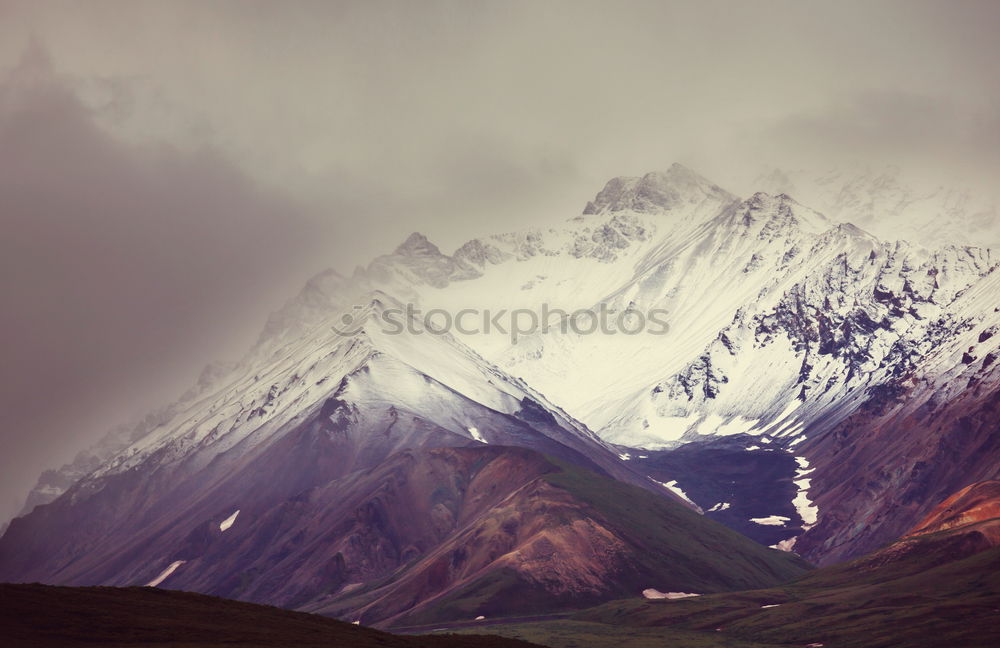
x=749, y=491
x=441, y=533
x=40, y=616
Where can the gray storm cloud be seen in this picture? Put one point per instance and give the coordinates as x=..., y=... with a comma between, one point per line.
x=119, y=265
x=179, y=168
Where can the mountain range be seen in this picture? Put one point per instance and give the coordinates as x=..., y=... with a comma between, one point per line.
x=819, y=390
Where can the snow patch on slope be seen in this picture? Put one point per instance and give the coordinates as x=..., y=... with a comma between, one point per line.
x=675, y=489
x=228, y=522
x=655, y=594
x=477, y=435
x=808, y=511
x=771, y=520
x=165, y=574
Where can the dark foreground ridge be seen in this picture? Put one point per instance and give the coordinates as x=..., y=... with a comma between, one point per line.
x=43, y=616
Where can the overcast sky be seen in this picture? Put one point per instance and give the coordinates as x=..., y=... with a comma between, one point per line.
x=172, y=171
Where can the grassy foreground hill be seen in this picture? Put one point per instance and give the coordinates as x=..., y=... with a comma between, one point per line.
x=43, y=616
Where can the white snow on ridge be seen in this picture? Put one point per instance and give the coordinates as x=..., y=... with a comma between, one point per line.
x=793, y=405
x=165, y=573
x=798, y=427
x=228, y=522
x=771, y=520
x=477, y=435
x=715, y=424
x=738, y=425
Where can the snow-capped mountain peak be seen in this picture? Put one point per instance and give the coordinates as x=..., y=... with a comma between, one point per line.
x=656, y=192
x=779, y=213
x=417, y=245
